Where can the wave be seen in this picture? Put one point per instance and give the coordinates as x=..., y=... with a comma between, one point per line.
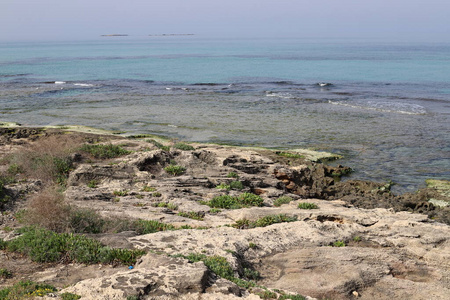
x=83, y=84
x=282, y=95
x=400, y=108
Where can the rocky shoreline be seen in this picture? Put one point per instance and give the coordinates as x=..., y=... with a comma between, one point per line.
x=312, y=233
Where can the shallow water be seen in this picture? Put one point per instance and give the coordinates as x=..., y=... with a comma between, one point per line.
x=387, y=110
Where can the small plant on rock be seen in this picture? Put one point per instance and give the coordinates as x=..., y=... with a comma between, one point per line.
x=5, y=273
x=339, y=244
x=175, y=170
x=236, y=185
x=233, y=175
x=282, y=200
x=307, y=205
x=102, y=151
x=223, y=186
x=183, y=146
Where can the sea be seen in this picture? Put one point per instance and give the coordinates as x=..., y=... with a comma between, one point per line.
x=383, y=105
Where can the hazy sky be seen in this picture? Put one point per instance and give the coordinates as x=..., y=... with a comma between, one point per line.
x=87, y=19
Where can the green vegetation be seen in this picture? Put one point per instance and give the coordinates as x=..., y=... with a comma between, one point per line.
x=183, y=146
x=150, y=226
x=339, y=244
x=214, y=211
x=165, y=204
x=93, y=184
x=236, y=185
x=175, y=169
x=230, y=202
x=223, y=186
x=5, y=273
x=307, y=205
x=70, y=296
x=148, y=189
x=252, y=245
x=26, y=289
x=192, y=215
x=233, y=175
x=289, y=154
x=282, y=200
x=120, y=193
x=263, y=222
x=357, y=239
x=102, y=151
x=267, y=295
x=292, y=297
x=43, y=245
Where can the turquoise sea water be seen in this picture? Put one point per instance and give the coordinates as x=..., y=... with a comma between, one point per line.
x=387, y=108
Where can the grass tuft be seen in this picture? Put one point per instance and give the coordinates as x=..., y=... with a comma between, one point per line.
x=307, y=205
x=175, y=170
x=183, y=146
x=282, y=200
x=263, y=222
x=104, y=151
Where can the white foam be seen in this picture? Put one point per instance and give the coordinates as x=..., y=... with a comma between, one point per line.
x=60, y=82
x=83, y=84
x=389, y=107
x=279, y=95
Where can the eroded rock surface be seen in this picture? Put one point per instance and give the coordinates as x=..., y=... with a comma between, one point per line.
x=388, y=253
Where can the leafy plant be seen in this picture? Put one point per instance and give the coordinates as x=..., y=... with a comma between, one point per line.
x=223, y=186
x=236, y=185
x=183, y=146
x=26, y=289
x=250, y=199
x=104, y=151
x=93, y=184
x=339, y=244
x=282, y=200
x=43, y=245
x=233, y=175
x=175, y=169
x=307, y=205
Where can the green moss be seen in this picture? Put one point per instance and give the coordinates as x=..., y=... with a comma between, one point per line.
x=290, y=155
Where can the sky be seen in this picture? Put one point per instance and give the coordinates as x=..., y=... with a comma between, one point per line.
x=414, y=20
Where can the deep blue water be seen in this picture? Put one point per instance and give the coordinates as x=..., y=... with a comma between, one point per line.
x=387, y=110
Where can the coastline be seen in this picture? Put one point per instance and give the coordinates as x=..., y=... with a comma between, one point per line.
x=254, y=240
